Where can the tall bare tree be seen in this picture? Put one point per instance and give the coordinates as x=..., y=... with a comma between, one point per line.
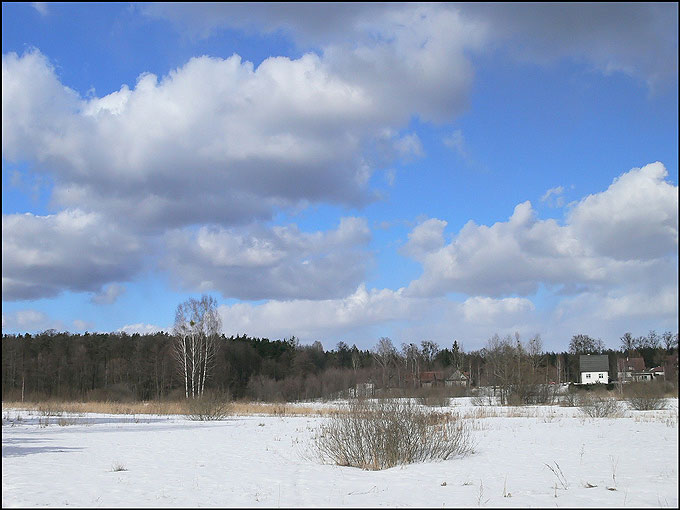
x=627, y=342
x=196, y=330
x=411, y=356
x=384, y=354
x=429, y=352
x=535, y=352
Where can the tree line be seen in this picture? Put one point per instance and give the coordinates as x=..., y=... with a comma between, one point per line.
x=196, y=358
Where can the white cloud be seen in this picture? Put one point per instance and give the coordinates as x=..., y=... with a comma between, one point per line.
x=639, y=39
x=281, y=262
x=109, y=294
x=635, y=38
x=81, y=325
x=553, y=196
x=364, y=316
x=636, y=218
x=71, y=250
x=222, y=141
x=29, y=321
x=41, y=7
x=487, y=310
x=456, y=141
x=143, y=329
x=425, y=238
x=626, y=235
x=409, y=145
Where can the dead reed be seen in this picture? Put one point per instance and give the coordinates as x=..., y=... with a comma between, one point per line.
x=243, y=408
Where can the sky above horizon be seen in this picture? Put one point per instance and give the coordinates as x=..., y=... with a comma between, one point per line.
x=342, y=172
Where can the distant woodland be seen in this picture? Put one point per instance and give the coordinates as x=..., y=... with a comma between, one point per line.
x=122, y=367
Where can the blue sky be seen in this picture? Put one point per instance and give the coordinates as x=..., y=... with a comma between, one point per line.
x=342, y=171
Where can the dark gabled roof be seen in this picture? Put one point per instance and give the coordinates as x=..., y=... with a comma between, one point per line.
x=431, y=376
x=631, y=364
x=457, y=375
x=594, y=363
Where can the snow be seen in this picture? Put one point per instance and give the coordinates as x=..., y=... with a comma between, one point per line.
x=268, y=461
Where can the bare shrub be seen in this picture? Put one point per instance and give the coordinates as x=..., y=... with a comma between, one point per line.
x=600, y=407
x=117, y=466
x=383, y=434
x=458, y=390
x=50, y=409
x=208, y=407
x=482, y=397
x=645, y=396
x=572, y=398
x=434, y=397
x=435, y=400
x=539, y=394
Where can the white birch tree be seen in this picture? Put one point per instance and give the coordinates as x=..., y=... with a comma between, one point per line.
x=196, y=330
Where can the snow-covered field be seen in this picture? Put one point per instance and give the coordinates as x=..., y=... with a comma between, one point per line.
x=248, y=461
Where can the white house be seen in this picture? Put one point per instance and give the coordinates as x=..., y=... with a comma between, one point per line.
x=594, y=368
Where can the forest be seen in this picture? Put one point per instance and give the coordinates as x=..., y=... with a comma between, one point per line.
x=121, y=367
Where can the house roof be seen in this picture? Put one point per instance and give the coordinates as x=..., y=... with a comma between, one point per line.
x=457, y=375
x=430, y=376
x=594, y=363
x=636, y=364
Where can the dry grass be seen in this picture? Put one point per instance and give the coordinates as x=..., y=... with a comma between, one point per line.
x=165, y=408
x=543, y=412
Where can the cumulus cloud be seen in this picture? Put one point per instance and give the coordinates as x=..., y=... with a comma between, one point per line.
x=29, y=321
x=81, y=325
x=456, y=141
x=71, y=250
x=311, y=22
x=636, y=218
x=425, y=238
x=364, y=315
x=214, y=141
x=635, y=38
x=276, y=263
x=626, y=235
x=143, y=329
x=554, y=196
x=222, y=141
x=639, y=39
x=109, y=294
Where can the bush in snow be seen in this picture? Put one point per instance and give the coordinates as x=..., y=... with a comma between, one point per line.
x=208, y=407
x=645, y=396
x=600, y=407
x=383, y=434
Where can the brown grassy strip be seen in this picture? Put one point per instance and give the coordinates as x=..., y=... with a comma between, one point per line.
x=55, y=408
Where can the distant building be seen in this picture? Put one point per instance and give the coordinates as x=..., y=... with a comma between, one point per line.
x=629, y=368
x=425, y=379
x=632, y=369
x=658, y=372
x=594, y=369
x=430, y=379
x=457, y=378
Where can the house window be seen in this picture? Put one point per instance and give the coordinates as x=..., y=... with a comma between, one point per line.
x=601, y=376
x=587, y=376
